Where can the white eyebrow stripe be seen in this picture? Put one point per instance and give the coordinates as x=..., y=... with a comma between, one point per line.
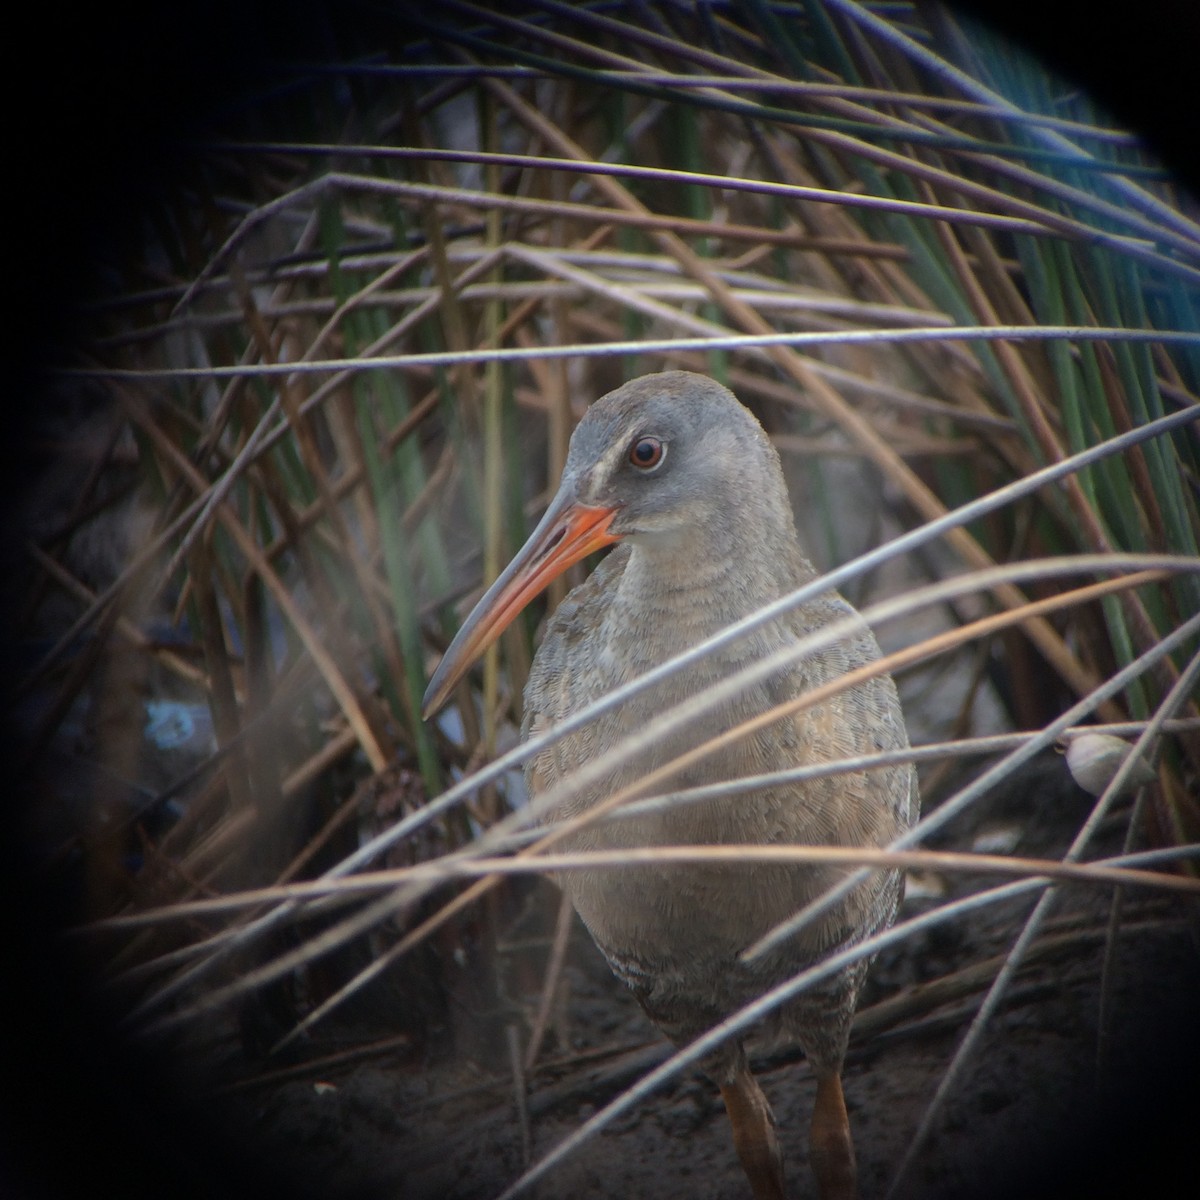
x=608, y=461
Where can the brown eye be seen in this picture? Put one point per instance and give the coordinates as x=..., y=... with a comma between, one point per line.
x=646, y=453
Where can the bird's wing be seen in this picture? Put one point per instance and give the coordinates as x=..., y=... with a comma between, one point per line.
x=861, y=808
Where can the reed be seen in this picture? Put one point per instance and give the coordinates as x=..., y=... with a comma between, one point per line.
x=340, y=374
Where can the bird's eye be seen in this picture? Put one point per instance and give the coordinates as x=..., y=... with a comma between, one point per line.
x=646, y=453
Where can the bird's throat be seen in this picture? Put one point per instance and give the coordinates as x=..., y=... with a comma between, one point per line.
x=672, y=596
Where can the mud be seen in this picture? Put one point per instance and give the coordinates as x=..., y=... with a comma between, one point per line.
x=1028, y=1117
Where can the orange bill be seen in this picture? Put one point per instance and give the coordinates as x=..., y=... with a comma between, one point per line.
x=568, y=532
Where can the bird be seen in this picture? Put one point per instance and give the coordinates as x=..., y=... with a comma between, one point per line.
x=673, y=473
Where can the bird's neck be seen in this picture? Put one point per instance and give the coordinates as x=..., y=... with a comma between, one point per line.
x=676, y=591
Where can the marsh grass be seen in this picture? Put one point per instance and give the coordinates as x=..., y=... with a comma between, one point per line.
x=341, y=375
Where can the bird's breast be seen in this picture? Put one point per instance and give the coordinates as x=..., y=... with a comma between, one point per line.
x=654, y=744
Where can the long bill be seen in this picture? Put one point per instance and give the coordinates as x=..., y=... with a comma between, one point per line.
x=568, y=532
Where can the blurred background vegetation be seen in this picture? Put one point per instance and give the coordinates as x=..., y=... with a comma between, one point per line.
x=319, y=399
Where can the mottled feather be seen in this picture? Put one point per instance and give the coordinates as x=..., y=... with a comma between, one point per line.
x=715, y=542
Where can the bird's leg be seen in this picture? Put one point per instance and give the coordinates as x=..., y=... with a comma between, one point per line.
x=830, y=1149
x=754, y=1134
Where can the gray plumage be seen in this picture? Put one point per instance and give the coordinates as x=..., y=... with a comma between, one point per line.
x=707, y=538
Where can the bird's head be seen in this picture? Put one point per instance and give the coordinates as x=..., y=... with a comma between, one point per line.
x=660, y=460
x=668, y=454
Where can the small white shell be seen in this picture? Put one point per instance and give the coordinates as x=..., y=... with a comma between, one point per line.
x=996, y=839
x=1093, y=759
